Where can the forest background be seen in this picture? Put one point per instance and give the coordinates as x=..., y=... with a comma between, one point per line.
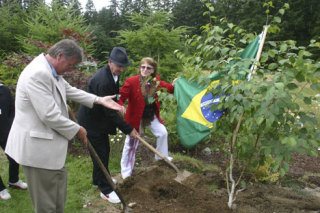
x=19, y=19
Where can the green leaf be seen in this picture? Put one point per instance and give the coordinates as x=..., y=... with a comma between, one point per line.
x=300, y=77
x=307, y=100
x=260, y=120
x=264, y=57
x=279, y=85
x=283, y=61
x=305, y=53
x=286, y=6
x=230, y=25
x=292, y=59
x=272, y=66
x=283, y=47
x=281, y=11
x=292, y=142
x=277, y=19
x=272, y=53
x=292, y=86
x=272, y=43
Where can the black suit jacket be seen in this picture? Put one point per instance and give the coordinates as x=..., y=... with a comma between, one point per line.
x=7, y=112
x=100, y=119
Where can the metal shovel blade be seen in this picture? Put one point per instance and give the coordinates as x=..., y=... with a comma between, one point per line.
x=127, y=209
x=182, y=175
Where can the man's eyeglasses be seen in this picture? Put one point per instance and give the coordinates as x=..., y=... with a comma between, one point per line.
x=149, y=68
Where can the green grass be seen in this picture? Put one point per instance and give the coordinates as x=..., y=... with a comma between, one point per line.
x=79, y=191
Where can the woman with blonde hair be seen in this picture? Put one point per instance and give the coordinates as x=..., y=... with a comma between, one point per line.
x=143, y=110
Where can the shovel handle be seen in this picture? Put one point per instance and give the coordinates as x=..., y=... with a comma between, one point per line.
x=102, y=167
x=158, y=153
x=105, y=172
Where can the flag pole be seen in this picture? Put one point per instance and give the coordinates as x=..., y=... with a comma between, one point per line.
x=258, y=56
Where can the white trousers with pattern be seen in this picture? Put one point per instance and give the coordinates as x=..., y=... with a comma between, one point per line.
x=131, y=145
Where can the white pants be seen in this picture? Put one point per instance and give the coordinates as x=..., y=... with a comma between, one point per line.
x=131, y=145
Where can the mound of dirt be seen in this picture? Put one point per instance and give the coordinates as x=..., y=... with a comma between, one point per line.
x=154, y=189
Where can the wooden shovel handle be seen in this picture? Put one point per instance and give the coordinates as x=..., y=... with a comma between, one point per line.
x=158, y=153
x=102, y=167
x=105, y=172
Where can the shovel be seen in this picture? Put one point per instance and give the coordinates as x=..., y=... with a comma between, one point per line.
x=181, y=175
x=126, y=208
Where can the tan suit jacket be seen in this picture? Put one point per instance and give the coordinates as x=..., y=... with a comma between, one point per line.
x=41, y=127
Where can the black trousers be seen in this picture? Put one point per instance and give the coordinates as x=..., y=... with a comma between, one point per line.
x=13, y=166
x=100, y=143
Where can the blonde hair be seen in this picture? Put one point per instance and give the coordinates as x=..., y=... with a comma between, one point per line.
x=151, y=62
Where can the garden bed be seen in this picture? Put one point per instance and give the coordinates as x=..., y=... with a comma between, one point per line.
x=152, y=188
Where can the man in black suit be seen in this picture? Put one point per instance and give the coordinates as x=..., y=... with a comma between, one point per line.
x=6, y=118
x=100, y=122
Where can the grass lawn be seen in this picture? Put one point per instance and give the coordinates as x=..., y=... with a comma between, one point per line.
x=80, y=190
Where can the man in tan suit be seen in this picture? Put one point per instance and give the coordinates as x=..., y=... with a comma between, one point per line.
x=41, y=129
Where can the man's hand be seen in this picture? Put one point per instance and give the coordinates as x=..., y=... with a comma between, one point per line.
x=107, y=102
x=82, y=135
x=134, y=133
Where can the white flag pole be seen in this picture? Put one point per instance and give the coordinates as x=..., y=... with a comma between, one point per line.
x=258, y=56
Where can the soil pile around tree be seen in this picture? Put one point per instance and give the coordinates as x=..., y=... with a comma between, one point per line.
x=155, y=190
x=152, y=189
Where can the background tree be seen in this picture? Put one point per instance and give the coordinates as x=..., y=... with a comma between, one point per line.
x=299, y=23
x=140, y=6
x=29, y=4
x=164, y=5
x=104, y=32
x=90, y=13
x=114, y=7
x=183, y=16
x=59, y=2
x=48, y=25
x=76, y=6
x=302, y=21
x=151, y=37
x=125, y=7
x=11, y=15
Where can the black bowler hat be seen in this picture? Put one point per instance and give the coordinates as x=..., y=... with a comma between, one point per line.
x=119, y=56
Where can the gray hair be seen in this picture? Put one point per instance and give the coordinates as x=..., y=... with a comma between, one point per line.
x=68, y=47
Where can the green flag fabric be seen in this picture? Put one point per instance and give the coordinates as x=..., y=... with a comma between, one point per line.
x=251, y=50
x=192, y=126
x=195, y=110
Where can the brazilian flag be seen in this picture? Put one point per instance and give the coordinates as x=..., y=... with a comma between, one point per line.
x=195, y=116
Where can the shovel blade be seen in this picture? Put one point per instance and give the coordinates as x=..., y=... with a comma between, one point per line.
x=127, y=209
x=182, y=175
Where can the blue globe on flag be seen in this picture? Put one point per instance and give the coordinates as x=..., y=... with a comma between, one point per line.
x=206, y=104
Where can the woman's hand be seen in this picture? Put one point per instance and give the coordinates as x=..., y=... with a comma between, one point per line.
x=174, y=81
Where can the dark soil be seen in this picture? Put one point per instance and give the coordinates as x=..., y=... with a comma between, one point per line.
x=153, y=188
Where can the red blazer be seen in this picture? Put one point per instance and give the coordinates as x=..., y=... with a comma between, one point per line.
x=131, y=92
